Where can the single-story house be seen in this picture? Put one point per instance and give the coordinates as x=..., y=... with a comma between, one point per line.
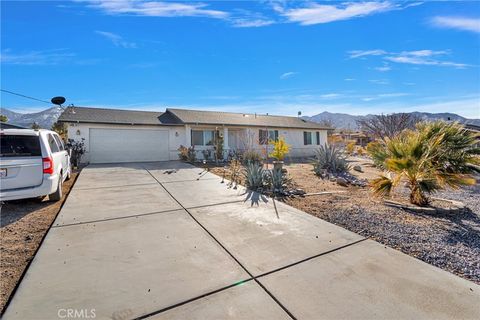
x=112, y=135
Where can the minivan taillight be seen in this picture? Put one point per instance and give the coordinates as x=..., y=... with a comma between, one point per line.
x=47, y=165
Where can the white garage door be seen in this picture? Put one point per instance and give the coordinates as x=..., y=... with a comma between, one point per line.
x=128, y=145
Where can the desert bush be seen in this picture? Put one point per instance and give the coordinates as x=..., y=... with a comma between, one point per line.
x=360, y=151
x=77, y=149
x=280, y=149
x=350, y=147
x=330, y=159
x=187, y=154
x=254, y=175
x=251, y=156
x=429, y=158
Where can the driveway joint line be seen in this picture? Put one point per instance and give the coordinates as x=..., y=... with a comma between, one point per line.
x=215, y=204
x=310, y=258
x=116, y=218
x=194, y=180
x=228, y=252
x=181, y=303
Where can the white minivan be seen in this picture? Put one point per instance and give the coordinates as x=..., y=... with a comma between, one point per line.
x=33, y=164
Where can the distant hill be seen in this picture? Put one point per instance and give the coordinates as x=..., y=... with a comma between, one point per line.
x=348, y=121
x=44, y=118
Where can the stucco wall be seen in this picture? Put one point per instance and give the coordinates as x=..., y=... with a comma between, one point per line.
x=77, y=131
x=177, y=137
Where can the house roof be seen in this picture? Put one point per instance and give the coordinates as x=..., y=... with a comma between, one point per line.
x=181, y=117
x=242, y=119
x=116, y=116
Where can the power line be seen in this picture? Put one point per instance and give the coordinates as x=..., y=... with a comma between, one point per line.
x=24, y=96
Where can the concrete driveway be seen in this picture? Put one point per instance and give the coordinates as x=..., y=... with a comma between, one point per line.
x=168, y=241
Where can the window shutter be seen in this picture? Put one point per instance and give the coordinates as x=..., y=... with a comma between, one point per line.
x=276, y=135
x=318, y=138
x=304, y=138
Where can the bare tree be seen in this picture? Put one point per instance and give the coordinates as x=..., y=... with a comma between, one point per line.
x=381, y=126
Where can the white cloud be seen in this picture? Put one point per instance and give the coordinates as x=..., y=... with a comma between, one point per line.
x=362, y=53
x=157, y=8
x=319, y=13
x=349, y=79
x=379, y=81
x=116, y=39
x=459, y=23
x=287, y=75
x=383, y=69
x=417, y=57
x=44, y=57
x=247, y=23
x=330, y=95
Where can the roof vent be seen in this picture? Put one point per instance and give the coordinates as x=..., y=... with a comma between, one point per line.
x=245, y=115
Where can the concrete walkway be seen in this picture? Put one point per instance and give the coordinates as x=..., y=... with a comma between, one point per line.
x=137, y=240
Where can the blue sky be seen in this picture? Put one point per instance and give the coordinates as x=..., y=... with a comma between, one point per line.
x=270, y=56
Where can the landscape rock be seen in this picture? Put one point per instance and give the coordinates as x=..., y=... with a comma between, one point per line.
x=358, y=168
x=342, y=181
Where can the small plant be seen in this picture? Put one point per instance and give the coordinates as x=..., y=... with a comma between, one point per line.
x=278, y=181
x=280, y=149
x=187, y=154
x=350, y=147
x=330, y=159
x=218, y=147
x=360, y=151
x=254, y=176
x=251, y=156
x=77, y=150
x=207, y=154
x=235, y=168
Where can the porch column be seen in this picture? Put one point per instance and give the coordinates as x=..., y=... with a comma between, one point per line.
x=225, y=140
x=188, y=136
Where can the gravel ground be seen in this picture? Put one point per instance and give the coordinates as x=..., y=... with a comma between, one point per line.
x=450, y=241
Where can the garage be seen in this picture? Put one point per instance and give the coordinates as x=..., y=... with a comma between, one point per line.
x=128, y=145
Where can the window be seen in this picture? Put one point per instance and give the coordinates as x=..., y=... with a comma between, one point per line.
x=52, y=143
x=59, y=142
x=203, y=137
x=264, y=136
x=20, y=146
x=307, y=138
x=318, y=137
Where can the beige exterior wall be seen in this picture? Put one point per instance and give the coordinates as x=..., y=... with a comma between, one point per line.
x=245, y=137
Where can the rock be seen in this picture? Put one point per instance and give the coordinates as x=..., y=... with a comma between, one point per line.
x=342, y=181
x=333, y=179
x=300, y=192
x=358, y=168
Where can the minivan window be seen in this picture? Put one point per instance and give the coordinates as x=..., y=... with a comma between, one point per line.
x=20, y=146
x=59, y=142
x=52, y=143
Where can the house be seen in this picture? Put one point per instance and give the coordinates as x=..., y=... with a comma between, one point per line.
x=112, y=135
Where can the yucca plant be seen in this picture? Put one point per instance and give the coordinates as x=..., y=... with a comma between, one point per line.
x=432, y=157
x=254, y=176
x=330, y=159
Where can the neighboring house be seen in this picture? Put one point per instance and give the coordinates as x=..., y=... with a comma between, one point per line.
x=127, y=136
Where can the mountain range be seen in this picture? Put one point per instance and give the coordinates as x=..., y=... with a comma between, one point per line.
x=44, y=118
x=348, y=121
x=47, y=117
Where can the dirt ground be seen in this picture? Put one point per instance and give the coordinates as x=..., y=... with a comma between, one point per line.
x=23, y=224
x=448, y=241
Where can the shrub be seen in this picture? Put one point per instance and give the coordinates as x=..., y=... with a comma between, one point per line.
x=350, y=147
x=254, y=176
x=251, y=156
x=331, y=160
x=280, y=149
x=77, y=150
x=360, y=151
x=187, y=154
x=432, y=157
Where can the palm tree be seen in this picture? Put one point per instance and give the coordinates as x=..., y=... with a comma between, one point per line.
x=434, y=156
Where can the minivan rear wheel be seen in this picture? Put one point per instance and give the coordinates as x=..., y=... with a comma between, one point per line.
x=57, y=195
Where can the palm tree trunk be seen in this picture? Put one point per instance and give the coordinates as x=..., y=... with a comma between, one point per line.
x=417, y=196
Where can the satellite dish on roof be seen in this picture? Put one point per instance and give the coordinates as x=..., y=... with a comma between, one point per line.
x=58, y=100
